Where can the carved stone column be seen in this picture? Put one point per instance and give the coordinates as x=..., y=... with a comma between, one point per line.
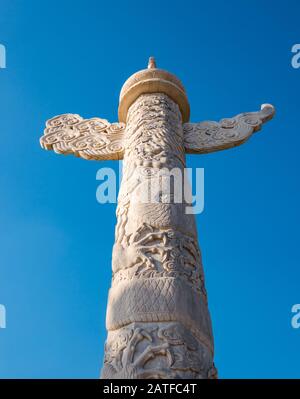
x=157, y=317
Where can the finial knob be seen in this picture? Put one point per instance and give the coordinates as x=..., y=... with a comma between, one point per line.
x=151, y=63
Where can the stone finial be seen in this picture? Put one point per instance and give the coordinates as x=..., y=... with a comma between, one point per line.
x=153, y=80
x=151, y=63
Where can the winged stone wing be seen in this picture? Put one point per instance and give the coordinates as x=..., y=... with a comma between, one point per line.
x=93, y=138
x=211, y=136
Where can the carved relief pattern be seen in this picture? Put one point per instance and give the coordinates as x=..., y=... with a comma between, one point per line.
x=156, y=351
x=93, y=138
x=157, y=316
x=211, y=136
x=174, y=254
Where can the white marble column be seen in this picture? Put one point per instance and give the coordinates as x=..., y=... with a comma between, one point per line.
x=157, y=317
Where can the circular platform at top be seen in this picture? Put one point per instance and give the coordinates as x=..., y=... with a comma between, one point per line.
x=153, y=80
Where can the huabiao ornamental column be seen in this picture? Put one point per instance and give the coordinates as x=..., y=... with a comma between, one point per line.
x=157, y=315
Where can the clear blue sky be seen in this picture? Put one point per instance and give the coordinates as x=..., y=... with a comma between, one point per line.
x=55, y=247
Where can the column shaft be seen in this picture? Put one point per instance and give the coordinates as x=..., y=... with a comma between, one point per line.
x=157, y=317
